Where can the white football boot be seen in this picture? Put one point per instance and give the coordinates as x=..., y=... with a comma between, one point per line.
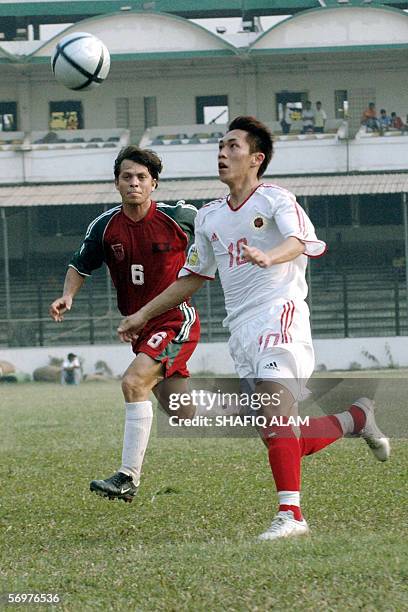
x=284, y=525
x=376, y=440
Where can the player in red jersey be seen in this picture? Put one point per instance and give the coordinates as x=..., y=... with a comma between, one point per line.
x=143, y=243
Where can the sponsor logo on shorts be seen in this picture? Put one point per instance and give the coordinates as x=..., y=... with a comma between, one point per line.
x=272, y=365
x=214, y=237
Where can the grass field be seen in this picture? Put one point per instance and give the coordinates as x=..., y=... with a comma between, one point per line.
x=187, y=542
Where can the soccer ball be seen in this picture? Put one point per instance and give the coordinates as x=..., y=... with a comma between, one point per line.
x=80, y=61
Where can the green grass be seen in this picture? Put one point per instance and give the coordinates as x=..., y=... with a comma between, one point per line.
x=194, y=547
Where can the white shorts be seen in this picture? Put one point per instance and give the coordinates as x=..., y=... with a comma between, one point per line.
x=276, y=345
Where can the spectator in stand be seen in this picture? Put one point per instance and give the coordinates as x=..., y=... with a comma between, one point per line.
x=286, y=121
x=320, y=119
x=384, y=120
x=308, y=118
x=369, y=118
x=396, y=122
x=71, y=370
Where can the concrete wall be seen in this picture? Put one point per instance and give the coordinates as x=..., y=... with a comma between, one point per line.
x=214, y=357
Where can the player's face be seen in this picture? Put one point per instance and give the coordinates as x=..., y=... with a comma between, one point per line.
x=235, y=161
x=134, y=183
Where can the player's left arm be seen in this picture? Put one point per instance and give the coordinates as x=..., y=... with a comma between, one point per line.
x=289, y=249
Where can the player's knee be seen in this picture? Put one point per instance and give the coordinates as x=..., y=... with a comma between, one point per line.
x=133, y=387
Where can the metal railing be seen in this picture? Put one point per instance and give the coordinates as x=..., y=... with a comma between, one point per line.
x=343, y=305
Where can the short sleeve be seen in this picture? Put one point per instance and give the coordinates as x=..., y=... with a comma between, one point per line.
x=90, y=255
x=292, y=220
x=200, y=258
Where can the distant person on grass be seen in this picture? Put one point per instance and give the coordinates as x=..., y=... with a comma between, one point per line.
x=144, y=244
x=71, y=370
x=259, y=239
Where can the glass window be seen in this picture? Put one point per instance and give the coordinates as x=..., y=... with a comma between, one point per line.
x=340, y=104
x=212, y=109
x=294, y=100
x=66, y=115
x=8, y=116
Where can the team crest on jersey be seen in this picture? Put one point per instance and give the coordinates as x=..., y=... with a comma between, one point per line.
x=192, y=259
x=258, y=223
x=118, y=251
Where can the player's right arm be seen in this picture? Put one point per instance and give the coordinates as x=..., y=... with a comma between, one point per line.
x=175, y=293
x=72, y=284
x=89, y=257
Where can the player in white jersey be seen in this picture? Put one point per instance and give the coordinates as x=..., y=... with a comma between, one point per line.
x=259, y=239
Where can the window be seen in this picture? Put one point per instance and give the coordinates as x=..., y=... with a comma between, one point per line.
x=66, y=115
x=340, y=104
x=381, y=209
x=122, y=112
x=150, y=111
x=8, y=116
x=295, y=100
x=212, y=109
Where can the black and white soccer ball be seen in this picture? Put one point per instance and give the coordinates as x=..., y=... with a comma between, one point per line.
x=80, y=61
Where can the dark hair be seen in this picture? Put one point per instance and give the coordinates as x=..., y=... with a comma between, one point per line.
x=71, y=356
x=318, y=102
x=145, y=157
x=259, y=138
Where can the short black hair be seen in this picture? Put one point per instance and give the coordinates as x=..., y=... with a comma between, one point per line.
x=259, y=137
x=145, y=157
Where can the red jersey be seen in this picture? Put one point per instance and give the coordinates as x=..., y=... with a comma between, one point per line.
x=143, y=257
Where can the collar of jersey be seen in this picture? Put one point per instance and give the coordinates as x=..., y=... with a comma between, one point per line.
x=145, y=219
x=244, y=202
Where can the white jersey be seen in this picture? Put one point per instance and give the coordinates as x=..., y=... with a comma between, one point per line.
x=266, y=218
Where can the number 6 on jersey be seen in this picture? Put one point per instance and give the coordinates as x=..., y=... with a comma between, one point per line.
x=137, y=272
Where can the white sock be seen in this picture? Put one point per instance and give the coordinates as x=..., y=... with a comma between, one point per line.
x=346, y=421
x=138, y=422
x=289, y=498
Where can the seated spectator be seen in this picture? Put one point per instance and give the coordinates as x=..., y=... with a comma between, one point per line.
x=71, y=370
x=384, y=120
x=396, y=122
x=308, y=118
x=320, y=119
x=369, y=118
x=286, y=121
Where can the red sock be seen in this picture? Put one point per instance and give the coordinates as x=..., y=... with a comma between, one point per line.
x=295, y=509
x=284, y=459
x=359, y=418
x=320, y=432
